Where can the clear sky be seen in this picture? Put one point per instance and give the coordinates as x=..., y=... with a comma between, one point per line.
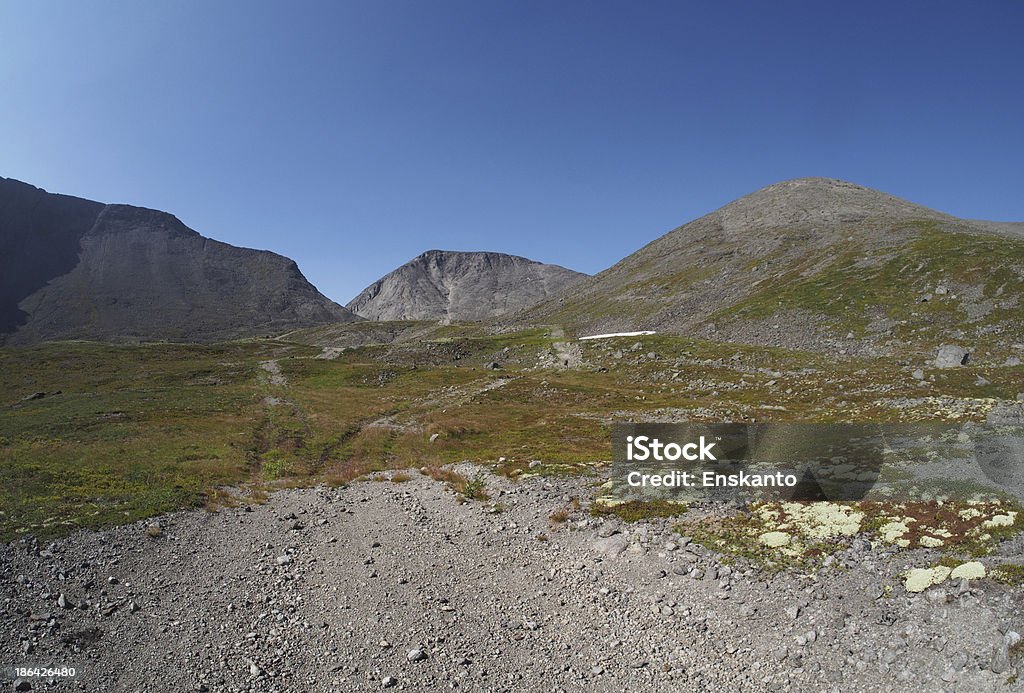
x=351, y=136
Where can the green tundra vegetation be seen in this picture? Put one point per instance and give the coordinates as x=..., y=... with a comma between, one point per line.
x=93, y=435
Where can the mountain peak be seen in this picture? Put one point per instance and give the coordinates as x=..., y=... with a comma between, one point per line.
x=810, y=201
x=460, y=285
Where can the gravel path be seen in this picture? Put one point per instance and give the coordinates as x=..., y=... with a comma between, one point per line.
x=398, y=585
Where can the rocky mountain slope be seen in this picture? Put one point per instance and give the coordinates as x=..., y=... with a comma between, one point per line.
x=451, y=285
x=814, y=263
x=77, y=269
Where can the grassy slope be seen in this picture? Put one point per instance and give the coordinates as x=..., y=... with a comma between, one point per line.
x=857, y=286
x=868, y=281
x=141, y=430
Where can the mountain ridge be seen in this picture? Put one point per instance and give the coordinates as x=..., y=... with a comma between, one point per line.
x=79, y=269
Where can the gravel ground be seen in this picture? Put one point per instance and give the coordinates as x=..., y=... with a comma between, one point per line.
x=399, y=585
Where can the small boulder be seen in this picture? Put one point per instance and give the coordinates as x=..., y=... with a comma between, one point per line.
x=611, y=546
x=951, y=356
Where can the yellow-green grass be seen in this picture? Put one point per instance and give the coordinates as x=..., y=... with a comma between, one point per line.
x=134, y=431
x=140, y=430
x=852, y=285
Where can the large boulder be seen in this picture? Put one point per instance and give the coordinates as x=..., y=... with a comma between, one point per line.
x=951, y=356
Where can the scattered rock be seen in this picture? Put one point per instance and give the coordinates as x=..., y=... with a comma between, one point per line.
x=1006, y=414
x=1000, y=660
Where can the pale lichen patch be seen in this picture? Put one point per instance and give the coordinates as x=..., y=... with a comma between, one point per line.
x=972, y=570
x=814, y=520
x=775, y=539
x=920, y=579
x=1006, y=520
x=892, y=532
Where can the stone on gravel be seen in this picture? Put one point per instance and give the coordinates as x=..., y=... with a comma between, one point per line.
x=416, y=655
x=611, y=546
x=1000, y=660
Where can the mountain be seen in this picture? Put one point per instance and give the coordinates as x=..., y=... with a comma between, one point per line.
x=76, y=269
x=813, y=263
x=454, y=286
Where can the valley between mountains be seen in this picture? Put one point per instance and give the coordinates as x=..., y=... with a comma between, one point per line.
x=214, y=478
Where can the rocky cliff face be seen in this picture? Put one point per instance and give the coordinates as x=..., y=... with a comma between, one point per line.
x=76, y=269
x=449, y=285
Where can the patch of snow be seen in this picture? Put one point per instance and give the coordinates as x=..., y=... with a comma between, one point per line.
x=617, y=334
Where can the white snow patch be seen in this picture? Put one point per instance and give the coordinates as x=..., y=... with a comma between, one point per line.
x=617, y=334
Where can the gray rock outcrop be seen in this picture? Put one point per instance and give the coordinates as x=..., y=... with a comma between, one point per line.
x=454, y=286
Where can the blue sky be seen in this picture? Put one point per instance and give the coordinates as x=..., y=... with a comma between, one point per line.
x=351, y=136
